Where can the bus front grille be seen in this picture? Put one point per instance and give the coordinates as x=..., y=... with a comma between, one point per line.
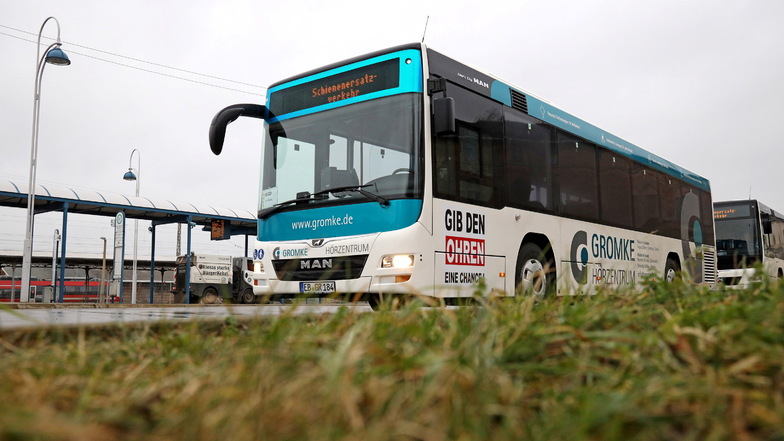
x=709, y=266
x=326, y=268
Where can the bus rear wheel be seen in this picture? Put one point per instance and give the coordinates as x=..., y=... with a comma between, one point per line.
x=671, y=270
x=210, y=297
x=535, y=272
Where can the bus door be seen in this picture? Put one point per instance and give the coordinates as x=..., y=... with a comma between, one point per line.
x=467, y=185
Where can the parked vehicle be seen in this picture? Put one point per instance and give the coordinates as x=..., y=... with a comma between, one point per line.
x=748, y=234
x=213, y=279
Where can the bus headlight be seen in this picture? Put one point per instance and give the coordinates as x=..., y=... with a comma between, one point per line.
x=398, y=261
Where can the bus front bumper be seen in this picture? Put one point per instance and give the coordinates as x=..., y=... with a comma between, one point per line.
x=738, y=278
x=386, y=284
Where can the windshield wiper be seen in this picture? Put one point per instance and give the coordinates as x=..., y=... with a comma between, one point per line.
x=263, y=214
x=359, y=189
x=303, y=197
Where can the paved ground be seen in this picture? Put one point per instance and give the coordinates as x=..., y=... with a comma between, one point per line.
x=44, y=315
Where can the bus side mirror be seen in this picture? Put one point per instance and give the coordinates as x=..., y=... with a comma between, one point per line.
x=444, y=116
x=229, y=115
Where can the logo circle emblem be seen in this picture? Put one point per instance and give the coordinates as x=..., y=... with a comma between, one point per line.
x=578, y=256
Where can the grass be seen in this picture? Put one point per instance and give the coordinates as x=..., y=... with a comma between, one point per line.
x=671, y=362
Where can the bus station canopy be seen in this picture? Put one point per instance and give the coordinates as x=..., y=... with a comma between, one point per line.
x=68, y=200
x=159, y=211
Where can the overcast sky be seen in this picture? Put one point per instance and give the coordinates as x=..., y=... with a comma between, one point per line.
x=700, y=83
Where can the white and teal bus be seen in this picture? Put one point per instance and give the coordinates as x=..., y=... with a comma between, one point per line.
x=748, y=233
x=406, y=172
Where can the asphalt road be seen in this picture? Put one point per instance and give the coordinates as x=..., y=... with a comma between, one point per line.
x=22, y=317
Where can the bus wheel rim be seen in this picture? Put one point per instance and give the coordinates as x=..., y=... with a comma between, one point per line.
x=670, y=275
x=533, y=277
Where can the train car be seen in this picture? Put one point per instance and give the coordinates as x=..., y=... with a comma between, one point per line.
x=76, y=290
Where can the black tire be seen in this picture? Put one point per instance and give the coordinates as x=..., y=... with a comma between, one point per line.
x=671, y=271
x=248, y=297
x=387, y=301
x=374, y=300
x=535, y=272
x=210, y=297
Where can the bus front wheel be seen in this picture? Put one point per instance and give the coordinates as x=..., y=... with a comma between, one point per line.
x=535, y=273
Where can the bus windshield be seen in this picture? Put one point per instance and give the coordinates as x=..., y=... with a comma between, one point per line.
x=737, y=243
x=368, y=147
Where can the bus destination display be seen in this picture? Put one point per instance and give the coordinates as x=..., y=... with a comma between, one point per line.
x=362, y=81
x=732, y=212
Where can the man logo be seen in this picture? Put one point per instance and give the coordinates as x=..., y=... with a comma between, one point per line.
x=317, y=242
x=579, y=257
x=306, y=264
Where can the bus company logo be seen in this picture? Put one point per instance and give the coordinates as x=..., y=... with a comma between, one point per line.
x=278, y=253
x=578, y=256
x=259, y=254
x=543, y=111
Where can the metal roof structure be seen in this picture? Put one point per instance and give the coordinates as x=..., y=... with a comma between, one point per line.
x=50, y=198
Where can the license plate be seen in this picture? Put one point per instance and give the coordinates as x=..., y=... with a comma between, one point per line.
x=317, y=287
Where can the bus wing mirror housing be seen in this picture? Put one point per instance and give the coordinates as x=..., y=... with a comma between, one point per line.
x=225, y=117
x=444, y=116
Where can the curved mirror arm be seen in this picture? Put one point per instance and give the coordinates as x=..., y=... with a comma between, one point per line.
x=229, y=115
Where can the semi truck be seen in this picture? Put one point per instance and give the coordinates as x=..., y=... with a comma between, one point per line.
x=214, y=279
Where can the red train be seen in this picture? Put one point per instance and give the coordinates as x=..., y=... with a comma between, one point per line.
x=76, y=291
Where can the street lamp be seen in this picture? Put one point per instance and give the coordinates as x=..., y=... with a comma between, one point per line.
x=131, y=176
x=53, y=55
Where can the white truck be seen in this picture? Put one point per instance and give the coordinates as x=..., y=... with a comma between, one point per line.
x=215, y=279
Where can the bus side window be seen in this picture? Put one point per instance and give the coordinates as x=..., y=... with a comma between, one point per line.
x=528, y=161
x=476, y=166
x=445, y=170
x=576, y=176
x=778, y=235
x=671, y=198
x=645, y=204
x=467, y=164
x=615, y=189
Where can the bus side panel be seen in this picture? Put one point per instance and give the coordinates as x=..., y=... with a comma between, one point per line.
x=594, y=255
x=465, y=255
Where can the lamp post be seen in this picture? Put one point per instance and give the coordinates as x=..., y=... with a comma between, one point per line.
x=53, y=55
x=131, y=176
x=55, y=242
x=102, y=289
